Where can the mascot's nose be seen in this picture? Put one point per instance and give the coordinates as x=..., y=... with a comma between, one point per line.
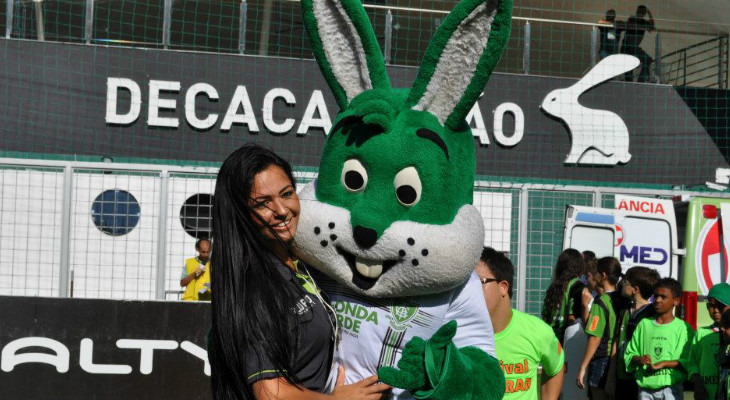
x=364, y=237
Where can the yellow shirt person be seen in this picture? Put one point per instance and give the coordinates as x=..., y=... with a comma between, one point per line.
x=196, y=273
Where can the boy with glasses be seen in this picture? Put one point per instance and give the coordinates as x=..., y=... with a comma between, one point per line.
x=706, y=344
x=522, y=341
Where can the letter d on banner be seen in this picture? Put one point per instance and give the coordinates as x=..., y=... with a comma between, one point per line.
x=135, y=103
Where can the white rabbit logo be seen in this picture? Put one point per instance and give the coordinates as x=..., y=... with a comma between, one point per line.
x=600, y=137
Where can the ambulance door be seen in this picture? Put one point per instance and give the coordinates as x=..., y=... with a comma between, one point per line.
x=646, y=242
x=648, y=234
x=706, y=260
x=590, y=228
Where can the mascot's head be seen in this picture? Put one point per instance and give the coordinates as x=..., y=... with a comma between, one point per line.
x=390, y=214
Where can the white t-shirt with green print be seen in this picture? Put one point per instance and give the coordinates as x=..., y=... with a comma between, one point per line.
x=375, y=331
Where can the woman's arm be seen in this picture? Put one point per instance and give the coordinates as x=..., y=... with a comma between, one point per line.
x=586, y=299
x=591, y=347
x=280, y=389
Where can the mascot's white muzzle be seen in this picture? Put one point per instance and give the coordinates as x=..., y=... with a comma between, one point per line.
x=408, y=259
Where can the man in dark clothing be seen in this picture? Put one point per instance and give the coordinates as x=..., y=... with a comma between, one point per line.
x=610, y=36
x=636, y=26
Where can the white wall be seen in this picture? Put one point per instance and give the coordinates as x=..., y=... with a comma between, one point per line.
x=124, y=266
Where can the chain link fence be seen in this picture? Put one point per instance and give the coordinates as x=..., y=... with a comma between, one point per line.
x=123, y=231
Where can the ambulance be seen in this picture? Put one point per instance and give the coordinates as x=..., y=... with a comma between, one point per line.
x=681, y=238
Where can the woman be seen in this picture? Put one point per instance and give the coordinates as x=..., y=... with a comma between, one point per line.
x=273, y=334
x=592, y=288
x=601, y=329
x=563, y=304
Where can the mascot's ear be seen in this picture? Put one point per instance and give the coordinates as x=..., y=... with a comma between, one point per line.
x=460, y=59
x=345, y=47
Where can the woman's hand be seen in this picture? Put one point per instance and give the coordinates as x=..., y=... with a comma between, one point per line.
x=580, y=380
x=366, y=389
x=587, y=297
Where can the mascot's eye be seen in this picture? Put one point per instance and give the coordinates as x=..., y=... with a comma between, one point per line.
x=407, y=186
x=354, y=176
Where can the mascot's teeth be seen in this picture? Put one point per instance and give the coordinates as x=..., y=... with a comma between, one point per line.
x=369, y=269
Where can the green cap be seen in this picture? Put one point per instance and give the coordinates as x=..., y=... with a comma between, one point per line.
x=721, y=293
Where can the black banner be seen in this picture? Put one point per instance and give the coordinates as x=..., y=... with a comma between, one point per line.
x=103, y=349
x=185, y=107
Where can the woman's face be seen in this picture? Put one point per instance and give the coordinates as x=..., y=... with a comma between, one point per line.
x=274, y=199
x=592, y=283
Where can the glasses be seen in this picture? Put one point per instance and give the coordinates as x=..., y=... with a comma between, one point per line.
x=487, y=280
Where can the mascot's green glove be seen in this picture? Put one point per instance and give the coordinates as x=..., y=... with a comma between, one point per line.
x=437, y=370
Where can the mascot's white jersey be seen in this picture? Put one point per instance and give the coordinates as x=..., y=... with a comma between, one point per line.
x=384, y=326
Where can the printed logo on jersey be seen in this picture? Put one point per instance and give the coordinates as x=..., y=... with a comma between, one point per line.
x=594, y=323
x=658, y=350
x=351, y=316
x=400, y=315
x=515, y=384
x=303, y=305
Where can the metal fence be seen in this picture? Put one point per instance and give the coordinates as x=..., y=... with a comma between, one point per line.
x=701, y=64
x=123, y=231
x=538, y=46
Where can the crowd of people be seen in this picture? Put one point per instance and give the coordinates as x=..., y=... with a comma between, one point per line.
x=636, y=347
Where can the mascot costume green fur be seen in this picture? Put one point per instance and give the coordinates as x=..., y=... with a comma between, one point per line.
x=389, y=221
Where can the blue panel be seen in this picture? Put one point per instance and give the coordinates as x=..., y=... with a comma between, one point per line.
x=595, y=218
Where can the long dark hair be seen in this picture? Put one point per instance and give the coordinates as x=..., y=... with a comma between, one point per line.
x=570, y=265
x=251, y=303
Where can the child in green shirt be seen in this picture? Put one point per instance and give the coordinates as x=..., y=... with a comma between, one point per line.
x=638, y=286
x=723, y=358
x=705, y=345
x=658, y=353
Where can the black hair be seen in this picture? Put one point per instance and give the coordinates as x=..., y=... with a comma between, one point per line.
x=588, y=256
x=251, y=299
x=672, y=284
x=591, y=267
x=500, y=266
x=611, y=267
x=199, y=241
x=610, y=16
x=725, y=319
x=570, y=265
x=644, y=278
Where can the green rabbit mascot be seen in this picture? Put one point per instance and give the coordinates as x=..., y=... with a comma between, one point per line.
x=389, y=222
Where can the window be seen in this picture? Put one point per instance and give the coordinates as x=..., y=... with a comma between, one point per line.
x=115, y=212
x=593, y=238
x=196, y=217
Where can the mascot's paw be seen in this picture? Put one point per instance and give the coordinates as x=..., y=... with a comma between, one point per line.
x=437, y=370
x=489, y=381
x=422, y=362
x=411, y=375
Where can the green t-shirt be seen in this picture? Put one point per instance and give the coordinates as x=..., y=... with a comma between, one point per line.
x=705, y=345
x=526, y=342
x=663, y=342
x=602, y=323
x=570, y=305
x=628, y=324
